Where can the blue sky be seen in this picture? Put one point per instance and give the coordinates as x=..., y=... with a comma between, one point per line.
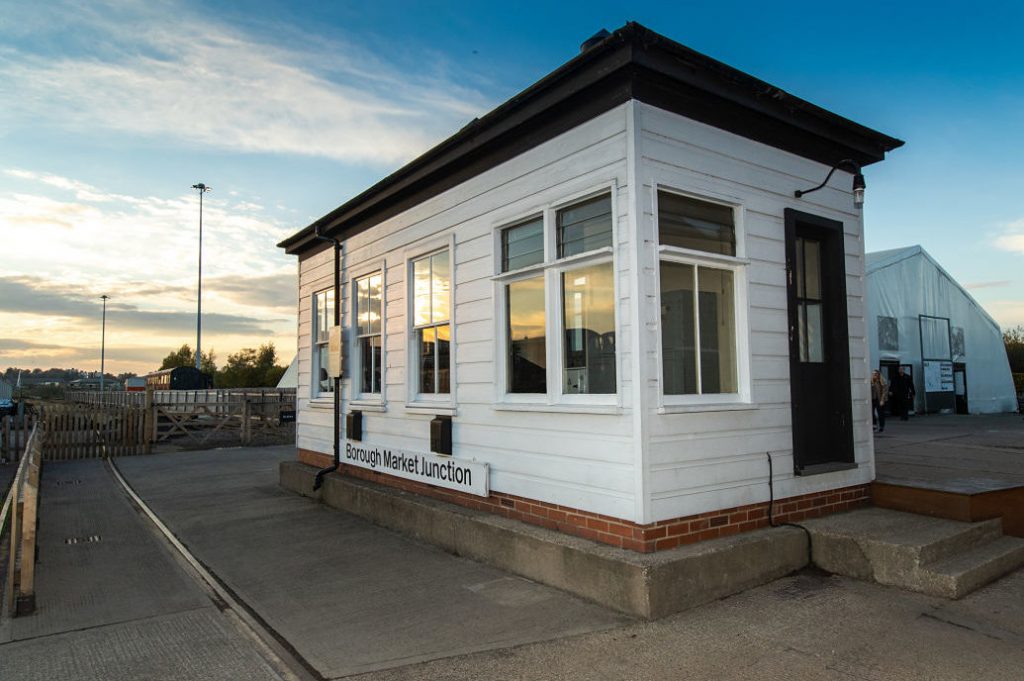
x=109, y=111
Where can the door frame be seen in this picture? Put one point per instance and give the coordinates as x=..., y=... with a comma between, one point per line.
x=832, y=237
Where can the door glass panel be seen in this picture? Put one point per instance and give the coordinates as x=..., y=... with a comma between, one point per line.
x=800, y=268
x=812, y=269
x=814, y=337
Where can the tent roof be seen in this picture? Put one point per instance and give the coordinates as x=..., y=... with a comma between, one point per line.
x=879, y=260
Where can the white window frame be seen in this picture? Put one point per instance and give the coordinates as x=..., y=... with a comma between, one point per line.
x=315, y=345
x=432, y=403
x=551, y=269
x=738, y=265
x=358, y=398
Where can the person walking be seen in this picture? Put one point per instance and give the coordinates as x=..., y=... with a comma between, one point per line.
x=902, y=394
x=879, y=396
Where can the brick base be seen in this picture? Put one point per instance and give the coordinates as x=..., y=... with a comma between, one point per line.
x=664, y=534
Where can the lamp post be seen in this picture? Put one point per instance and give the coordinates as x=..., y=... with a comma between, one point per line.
x=199, y=308
x=103, y=342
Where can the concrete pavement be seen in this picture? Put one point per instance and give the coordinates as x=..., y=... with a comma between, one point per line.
x=112, y=601
x=806, y=627
x=356, y=600
x=347, y=595
x=946, y=448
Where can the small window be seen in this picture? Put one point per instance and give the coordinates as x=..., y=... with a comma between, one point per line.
x=698, y=331
x=585, y=226
x=431, y=313
x=888, y=333
x=323, y=320
x=527, y=336
x=368, y=318
x=694, y=224
x=588, y=316
x=522, y=245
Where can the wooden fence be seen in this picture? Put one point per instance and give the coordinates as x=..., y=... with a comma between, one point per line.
x=163, y=397
x=14, y=434
x=78, y=431
x=21, y=509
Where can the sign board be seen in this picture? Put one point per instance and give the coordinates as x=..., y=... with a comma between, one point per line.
x=433, y=469
x=335, y=361
x=938, y=376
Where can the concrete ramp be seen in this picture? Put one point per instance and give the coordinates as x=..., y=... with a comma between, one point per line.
x=934, y=556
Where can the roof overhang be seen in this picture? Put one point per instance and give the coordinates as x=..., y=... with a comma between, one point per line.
x=631, y=63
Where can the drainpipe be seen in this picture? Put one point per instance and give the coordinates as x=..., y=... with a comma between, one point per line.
x=319, y=480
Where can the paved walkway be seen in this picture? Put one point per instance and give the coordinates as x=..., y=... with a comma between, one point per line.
x=937, y=450
x=112, y=601
x=354, y=599
x=348, y=595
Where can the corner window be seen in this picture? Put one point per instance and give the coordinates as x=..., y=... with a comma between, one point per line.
x=431, y=322
x=698, y=296
x=368, y=316
x=567, y=302
x=323, y=320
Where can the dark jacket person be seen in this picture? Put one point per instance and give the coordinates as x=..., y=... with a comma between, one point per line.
x=902, y=393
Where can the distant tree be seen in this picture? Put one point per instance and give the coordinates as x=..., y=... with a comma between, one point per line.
x=186, y=357
x=1013, y=339
x=251, y=368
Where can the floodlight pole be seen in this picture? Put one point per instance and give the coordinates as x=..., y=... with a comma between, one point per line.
x=103, y=342
x=199, y=296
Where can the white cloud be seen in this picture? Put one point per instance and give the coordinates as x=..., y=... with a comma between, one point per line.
x=1012, y=237
x=164, y=72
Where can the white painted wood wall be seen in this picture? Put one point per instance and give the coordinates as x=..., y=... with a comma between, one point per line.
x=629, y=460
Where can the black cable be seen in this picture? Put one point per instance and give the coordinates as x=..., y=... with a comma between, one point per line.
x=771, y=515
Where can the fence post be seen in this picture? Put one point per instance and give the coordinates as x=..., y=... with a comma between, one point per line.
x=26, y=602
x=246, y=422
x=149, y=422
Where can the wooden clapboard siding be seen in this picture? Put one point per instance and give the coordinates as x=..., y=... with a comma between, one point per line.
x=584, y=460
x=702, y=461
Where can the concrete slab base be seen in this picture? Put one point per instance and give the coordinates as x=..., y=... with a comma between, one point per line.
x=935, y=556
x=644, y=585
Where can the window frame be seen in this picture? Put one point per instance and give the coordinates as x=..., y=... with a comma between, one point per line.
x=551, y=270
x=738, y=265
x=432, y=403
x=358, y=398
x=315, y=345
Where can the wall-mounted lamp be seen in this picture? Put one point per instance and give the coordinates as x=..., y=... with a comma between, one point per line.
x=858, y=182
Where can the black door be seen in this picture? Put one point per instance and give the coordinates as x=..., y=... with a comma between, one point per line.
x=819, y=346
x=960, y=387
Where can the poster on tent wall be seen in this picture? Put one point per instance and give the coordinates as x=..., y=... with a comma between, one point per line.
x=938, y=376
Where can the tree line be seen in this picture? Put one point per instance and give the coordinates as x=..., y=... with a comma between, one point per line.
x=247, y=368
x=1013, y=339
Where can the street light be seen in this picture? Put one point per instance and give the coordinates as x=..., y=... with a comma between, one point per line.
x=199, y=310
x=103, y=341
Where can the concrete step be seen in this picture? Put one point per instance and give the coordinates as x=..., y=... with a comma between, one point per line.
x=936, y=556
x=959, y=575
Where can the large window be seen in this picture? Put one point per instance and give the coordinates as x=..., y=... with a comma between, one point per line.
x=323, y=320
x=368, y=315
x=431, y=322
x=698, y=296
x=580, y=317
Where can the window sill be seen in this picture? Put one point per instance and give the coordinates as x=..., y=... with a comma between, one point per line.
x=440, y=409
x=322, y=402
x=697, y=408
x=558, y=408
x=368, y=405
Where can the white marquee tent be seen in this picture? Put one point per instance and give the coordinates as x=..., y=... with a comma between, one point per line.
x=920, y=317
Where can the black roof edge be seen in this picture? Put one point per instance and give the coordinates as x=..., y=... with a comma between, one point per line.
x=633, y=62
